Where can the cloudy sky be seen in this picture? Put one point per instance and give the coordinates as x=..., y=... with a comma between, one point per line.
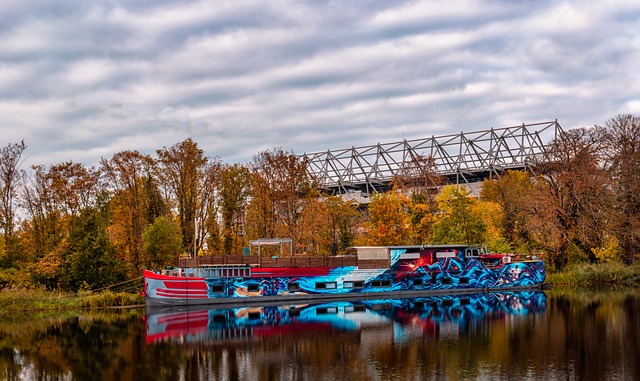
x=81, y=80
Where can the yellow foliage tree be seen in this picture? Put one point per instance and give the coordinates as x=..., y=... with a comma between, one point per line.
x=388, y=223
x=609, y=253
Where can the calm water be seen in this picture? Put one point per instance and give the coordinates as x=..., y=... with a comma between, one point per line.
x=560, y=335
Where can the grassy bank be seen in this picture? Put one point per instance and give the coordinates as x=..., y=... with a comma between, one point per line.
x=20, y=300
x=614, y=274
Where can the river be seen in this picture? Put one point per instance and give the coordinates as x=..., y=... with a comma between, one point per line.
x=553, y=335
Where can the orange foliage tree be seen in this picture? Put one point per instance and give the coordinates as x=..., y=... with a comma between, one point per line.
x=388, y=223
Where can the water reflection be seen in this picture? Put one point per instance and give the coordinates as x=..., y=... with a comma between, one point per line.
x=563, y=335
x=431, y=316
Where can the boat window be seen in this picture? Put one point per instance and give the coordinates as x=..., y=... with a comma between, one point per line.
x=326, y=285
x=294, y=286
x=417, y=282
x=380, y=283
x=217, y=288
x=252, y=288
x=445, y=254
x=353, y=284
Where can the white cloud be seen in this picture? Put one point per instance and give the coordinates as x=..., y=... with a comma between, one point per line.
x=83, y=80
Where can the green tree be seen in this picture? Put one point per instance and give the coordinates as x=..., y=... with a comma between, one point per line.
x=89, y=259
x=162, y=243
x=458, y=221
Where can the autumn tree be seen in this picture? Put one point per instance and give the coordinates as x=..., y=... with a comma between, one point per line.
x=343, y=221
x=280, y=184
x=388, y=220
x=623, y=163
x=53, y=198
x=10, y=176
x=234, y=191
x=513, y=192
x=571, y=197
x=126, y=174
x=191, y=178
x=458, y=220
x=315, y=235
x=73, y=187
x=418, y=179
x=329, y=225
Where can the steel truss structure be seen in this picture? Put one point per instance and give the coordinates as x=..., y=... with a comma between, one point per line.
x=459, y=158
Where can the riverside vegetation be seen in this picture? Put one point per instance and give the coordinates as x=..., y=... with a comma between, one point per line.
x=67, y=228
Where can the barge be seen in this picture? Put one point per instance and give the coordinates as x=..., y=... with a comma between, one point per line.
x=373, y=272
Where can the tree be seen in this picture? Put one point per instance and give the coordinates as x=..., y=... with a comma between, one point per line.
x=418, y=180
x=72, y=187
x=343, y=217
x=53, y=198
x=280, y=184
x=162, y=243
x=10, y=176
x=388, y=225
x=191, y=178
x=126, y=173
x=571, y=197
x=89, y=259
x=458, y=220
x=234, y=191
x=623, y=163
x=514, y=193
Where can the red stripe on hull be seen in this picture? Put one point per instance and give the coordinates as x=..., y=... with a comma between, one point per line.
x=183, y=291
x=183, y=284
x=168, y=294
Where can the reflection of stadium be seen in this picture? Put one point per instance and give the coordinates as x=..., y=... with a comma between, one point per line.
x=373, y=319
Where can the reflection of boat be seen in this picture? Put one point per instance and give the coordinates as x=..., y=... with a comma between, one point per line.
x=197, y=324
x=407, y=271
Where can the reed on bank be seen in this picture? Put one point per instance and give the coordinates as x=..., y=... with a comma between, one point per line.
x=20, y=300
x=602, y=274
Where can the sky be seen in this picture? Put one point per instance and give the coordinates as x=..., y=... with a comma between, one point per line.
x=82, y=80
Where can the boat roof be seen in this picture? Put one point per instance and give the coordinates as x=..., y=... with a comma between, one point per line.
x=417, y=247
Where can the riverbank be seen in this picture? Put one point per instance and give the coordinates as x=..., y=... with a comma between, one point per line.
x=20, y=300
x=590, y=275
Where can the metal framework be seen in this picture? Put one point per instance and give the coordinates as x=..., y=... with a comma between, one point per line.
x=460, y=158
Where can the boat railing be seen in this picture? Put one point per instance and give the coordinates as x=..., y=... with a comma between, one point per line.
x=295, y=261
